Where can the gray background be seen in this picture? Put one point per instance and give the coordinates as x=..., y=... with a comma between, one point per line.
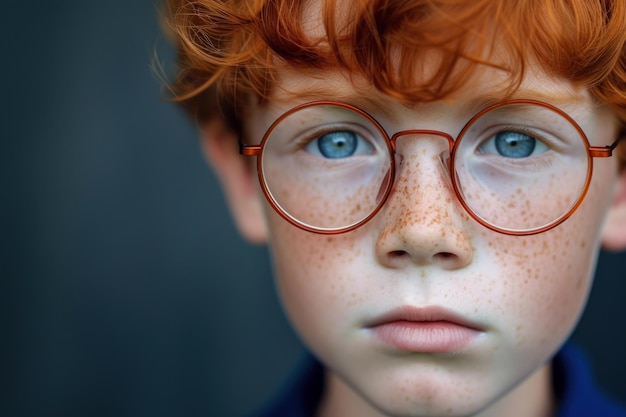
x=126, y=288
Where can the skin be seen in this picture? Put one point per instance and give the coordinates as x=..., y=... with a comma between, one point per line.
x=422, y=249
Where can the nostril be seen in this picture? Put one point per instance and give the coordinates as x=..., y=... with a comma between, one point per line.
x=446, y=258
x=400, y=258
x=397, y=254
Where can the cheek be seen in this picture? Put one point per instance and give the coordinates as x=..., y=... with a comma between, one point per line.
x=543, y=286
x=313, y=277
x=545, y=279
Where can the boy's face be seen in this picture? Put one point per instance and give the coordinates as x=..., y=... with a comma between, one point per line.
x=514, y=299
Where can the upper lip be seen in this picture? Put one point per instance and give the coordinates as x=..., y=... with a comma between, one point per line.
x=422, y=314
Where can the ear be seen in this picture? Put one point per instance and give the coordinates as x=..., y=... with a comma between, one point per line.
x=614, y=233
x=237, y=177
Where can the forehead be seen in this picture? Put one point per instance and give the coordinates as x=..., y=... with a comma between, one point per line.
x=486, y=86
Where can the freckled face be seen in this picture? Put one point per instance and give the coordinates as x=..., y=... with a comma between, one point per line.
x=525, y=294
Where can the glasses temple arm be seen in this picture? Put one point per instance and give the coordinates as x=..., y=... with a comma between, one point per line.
x=249, y=150
x=605, y=151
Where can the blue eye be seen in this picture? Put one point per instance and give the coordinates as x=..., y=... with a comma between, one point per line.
x=515, y=144
x=512, y=144
x=339, y=144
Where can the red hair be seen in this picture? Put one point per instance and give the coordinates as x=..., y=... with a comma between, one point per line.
x=230, y=49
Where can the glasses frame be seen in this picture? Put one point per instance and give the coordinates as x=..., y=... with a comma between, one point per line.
x=390, y=141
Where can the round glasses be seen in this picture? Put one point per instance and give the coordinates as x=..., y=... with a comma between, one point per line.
x=518, y=167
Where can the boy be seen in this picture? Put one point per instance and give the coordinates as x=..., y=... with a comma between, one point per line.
x=435, y=179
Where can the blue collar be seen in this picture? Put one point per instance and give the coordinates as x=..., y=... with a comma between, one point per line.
x=576, y=390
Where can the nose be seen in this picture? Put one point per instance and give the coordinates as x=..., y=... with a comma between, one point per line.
x=422, y=222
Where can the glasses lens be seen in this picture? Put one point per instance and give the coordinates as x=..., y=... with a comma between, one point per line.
x=326, y=167
x=521, y=167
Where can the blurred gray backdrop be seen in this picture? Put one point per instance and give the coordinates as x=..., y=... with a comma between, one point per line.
x=126, y=290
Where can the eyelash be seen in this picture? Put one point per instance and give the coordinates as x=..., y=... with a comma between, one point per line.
x=304, y=139
x=552, y=142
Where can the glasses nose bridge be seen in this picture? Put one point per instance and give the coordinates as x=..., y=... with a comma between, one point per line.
x=444, y=157
x=422, y=132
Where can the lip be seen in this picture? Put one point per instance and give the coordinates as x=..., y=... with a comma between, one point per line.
x=429, y=329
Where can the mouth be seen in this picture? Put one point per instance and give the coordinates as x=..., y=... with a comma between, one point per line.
x=430, y=329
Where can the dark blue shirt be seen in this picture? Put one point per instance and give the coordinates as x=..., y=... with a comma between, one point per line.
x=575, y=390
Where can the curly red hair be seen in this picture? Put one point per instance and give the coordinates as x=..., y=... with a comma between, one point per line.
x=229, y=49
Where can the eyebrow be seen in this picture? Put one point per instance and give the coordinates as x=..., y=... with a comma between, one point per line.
x=365, y=100
x=483, y=101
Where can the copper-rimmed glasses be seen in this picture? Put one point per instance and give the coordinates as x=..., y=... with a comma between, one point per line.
x=518, y=167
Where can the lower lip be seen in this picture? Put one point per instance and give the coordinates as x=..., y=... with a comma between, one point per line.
x=425, y=336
